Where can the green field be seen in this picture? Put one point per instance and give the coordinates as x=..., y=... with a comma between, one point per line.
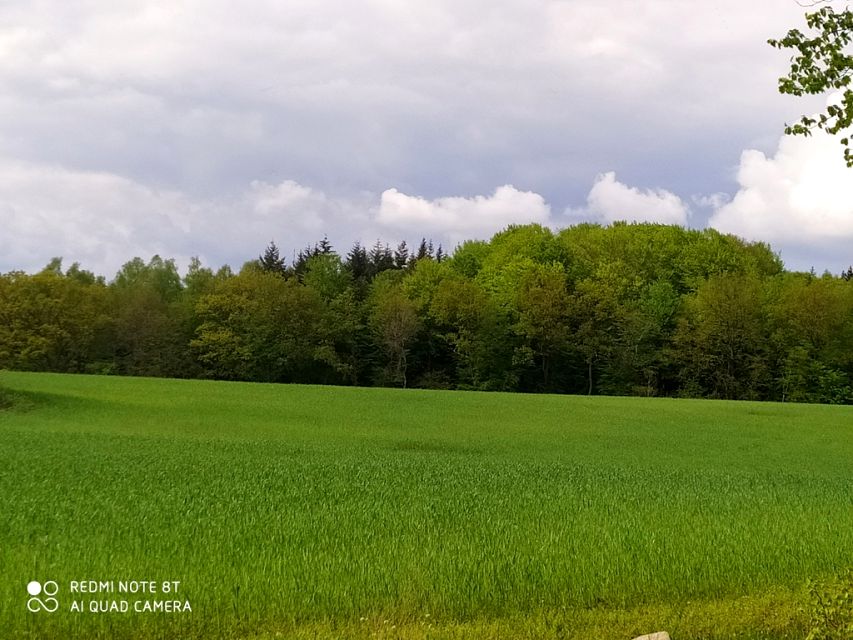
x=297, y=511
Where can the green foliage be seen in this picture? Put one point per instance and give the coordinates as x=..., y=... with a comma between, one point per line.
x=160, y=276
x=811, y=332
x=805, y=379
x=466, y=317
x=262, y=327
x=151, y=327
x=820, y=64
x=831, y=608
x=394, y=321
x=720, y=339
x=625, y=309
x=469, y=257
x=50, y=322
x=326, y=274
x=542, y=315
x=532, y=241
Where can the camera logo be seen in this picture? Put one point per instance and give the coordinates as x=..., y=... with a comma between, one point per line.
x=46, y=602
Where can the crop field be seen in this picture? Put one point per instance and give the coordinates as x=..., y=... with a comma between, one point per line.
x=313, y=512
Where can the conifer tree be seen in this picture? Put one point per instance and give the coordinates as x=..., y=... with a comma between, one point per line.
x=302, y=258
x=358, y=262
x=271, y=261
x=381, y=258
x=423, y=251
x=401, y=256
x=325, y=247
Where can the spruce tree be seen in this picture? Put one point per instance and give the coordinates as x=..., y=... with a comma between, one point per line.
x=302, y=258
x=401, y=256
x=422, y=250
x=271, y=261
x=381, y=258
x=358, y=262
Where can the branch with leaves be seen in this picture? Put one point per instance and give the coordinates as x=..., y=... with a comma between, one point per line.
x=820, y=64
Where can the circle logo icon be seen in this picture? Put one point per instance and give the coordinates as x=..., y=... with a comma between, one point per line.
x=45, y=603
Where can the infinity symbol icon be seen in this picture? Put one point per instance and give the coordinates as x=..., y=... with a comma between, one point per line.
x=49, y=603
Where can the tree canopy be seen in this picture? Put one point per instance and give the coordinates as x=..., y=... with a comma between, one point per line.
x=627, y=309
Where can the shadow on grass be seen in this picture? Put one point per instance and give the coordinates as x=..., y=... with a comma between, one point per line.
x=17, y=401
x=24, y=401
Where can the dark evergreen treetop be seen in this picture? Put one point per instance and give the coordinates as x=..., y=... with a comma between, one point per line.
x=401, y=256
x=271, y=260
x=358, y=262
x=325, y=247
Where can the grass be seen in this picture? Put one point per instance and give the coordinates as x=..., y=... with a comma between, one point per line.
x=296, y=511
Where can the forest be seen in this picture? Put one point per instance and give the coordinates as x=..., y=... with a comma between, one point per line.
x=625, y=309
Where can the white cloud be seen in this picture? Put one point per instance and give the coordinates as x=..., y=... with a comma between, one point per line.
x=287, y=197
x=93, y=217
x=800, y=200
x=462, y=218
x=610, y=200
x=102, y=219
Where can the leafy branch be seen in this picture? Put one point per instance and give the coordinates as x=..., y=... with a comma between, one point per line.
x=820, y=64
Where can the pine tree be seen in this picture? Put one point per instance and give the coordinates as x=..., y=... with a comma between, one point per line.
x=439, y=254
x=381, y=258
x=325, y=246
x=422, y=250
x=358, y=262
x=271, y=261
x=302, y=258
x=401, y=256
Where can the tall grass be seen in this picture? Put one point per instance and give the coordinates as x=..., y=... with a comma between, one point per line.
x=287, y=505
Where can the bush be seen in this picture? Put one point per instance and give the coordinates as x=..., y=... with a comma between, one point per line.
x=831, y=608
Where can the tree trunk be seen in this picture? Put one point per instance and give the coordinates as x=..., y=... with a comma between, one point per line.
x=589, y=363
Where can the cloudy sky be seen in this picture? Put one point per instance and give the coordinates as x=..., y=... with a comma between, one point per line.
x=211, y=127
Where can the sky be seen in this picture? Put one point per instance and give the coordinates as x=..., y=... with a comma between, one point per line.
x=209, y=128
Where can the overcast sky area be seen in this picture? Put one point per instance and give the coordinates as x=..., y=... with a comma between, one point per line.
x=211, y=127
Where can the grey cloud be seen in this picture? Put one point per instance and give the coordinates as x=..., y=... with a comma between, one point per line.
x=437, y=98
x=192, y=102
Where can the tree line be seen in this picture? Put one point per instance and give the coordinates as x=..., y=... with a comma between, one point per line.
x=628, y=309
